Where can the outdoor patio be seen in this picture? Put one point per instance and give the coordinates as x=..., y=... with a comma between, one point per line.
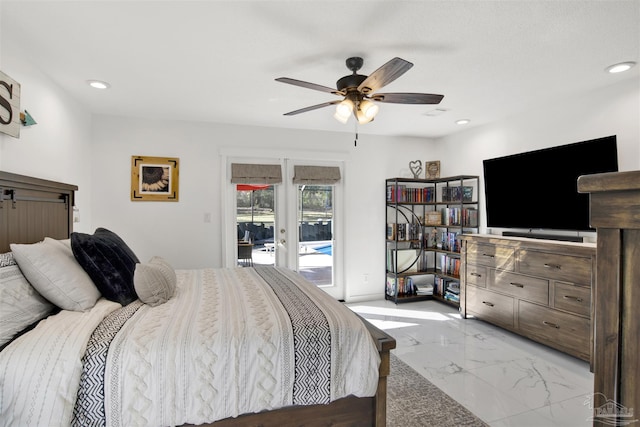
x=314, y=265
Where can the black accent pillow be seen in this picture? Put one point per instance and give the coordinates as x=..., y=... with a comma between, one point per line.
x=109, y=262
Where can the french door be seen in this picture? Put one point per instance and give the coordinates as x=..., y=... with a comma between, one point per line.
x=290, y=225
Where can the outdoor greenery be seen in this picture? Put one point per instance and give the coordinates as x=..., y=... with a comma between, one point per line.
x=258, y=205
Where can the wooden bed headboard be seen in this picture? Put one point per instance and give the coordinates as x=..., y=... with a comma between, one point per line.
x=32, y=209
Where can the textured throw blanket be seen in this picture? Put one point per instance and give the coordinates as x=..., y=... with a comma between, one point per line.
x=231, y=341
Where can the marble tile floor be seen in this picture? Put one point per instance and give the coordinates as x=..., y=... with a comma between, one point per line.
x=504, y=379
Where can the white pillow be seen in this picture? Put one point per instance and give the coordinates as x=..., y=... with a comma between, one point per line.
x=20, y=305
x=154, y=282
x=53, y=271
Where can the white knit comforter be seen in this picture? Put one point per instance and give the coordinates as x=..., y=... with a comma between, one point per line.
x=231, y=341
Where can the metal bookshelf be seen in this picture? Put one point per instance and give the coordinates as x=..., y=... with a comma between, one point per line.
x=424, y=218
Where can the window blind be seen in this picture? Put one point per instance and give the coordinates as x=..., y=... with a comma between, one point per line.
x=316, y=175
x=246, y=173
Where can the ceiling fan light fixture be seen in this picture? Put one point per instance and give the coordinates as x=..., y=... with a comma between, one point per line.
x=360, y=91
x=340, y=118
x=343, y=111
x=366, y=111
x=369, y=108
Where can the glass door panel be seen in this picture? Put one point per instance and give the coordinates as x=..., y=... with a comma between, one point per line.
x=315, y=233
x=255, y=223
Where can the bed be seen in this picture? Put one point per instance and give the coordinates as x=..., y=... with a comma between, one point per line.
x=223, y=347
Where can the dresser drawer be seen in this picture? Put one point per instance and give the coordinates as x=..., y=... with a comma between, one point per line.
x=490, y=255
x=572, y=298
x=519, y=286
x=490, y=306
x=566, y=268
x=557, y=329
x=476, y=275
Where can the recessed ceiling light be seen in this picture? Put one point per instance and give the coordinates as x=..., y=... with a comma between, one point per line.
x=98, y=84
x=462, y=121
x=619, y=68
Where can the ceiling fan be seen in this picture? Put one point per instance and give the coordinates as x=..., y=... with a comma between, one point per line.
x=360, y=91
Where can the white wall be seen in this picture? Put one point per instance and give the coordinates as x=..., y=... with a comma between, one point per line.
x=56, y=148
x=614, y=110
x=177, y=231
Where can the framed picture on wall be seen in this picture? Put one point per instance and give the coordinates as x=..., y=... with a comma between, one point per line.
x=154, y=178
x=432, y=169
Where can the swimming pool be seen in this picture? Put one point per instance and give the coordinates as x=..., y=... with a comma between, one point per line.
x=325, y=249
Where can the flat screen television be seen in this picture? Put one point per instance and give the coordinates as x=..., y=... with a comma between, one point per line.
x=537, y=190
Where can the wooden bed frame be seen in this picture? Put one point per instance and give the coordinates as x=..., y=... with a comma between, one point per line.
x=32, y=209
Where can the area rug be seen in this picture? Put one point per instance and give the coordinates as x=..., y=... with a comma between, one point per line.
x=413, y=401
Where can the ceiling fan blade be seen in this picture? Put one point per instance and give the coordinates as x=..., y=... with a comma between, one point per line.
x=408, y=98
x=308, y=85
x=384, y=75
x=311, y=108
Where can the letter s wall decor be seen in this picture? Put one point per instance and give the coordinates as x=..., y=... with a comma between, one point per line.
x=9, y=106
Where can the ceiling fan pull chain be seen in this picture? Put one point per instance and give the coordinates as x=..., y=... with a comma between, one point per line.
x=355, y=141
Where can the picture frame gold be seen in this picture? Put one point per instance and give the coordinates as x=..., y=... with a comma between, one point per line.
x=155, y=179
x=432, y=169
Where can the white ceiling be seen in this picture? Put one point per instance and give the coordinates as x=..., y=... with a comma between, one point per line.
x=216, y=61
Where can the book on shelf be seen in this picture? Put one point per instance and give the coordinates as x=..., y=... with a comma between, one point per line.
x=453, y=287
x=449, y=241
x=465, y=217
x=391, y=231
x=422, y=285
x=450, y=265
x=449, y=296
x=403, y=194
x=457, y=194
x=405, y=286
x=442, y=284
x=404, y=231
x=391, y=286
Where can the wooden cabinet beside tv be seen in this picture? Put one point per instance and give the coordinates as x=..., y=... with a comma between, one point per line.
x=540, y=289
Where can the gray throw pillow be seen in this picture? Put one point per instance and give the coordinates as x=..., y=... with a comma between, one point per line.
x=155, y=281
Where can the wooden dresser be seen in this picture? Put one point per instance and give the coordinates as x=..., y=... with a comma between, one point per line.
x=540, y=289
x=615, y=213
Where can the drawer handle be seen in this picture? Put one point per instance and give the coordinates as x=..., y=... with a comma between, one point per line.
x=475, y=274
x=517, y=285
x=554, y=266
x=489, y=255
x=490, y=304
x=553, y=325
x=577, y=299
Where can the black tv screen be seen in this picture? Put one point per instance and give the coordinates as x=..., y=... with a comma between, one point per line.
x=537, y=190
